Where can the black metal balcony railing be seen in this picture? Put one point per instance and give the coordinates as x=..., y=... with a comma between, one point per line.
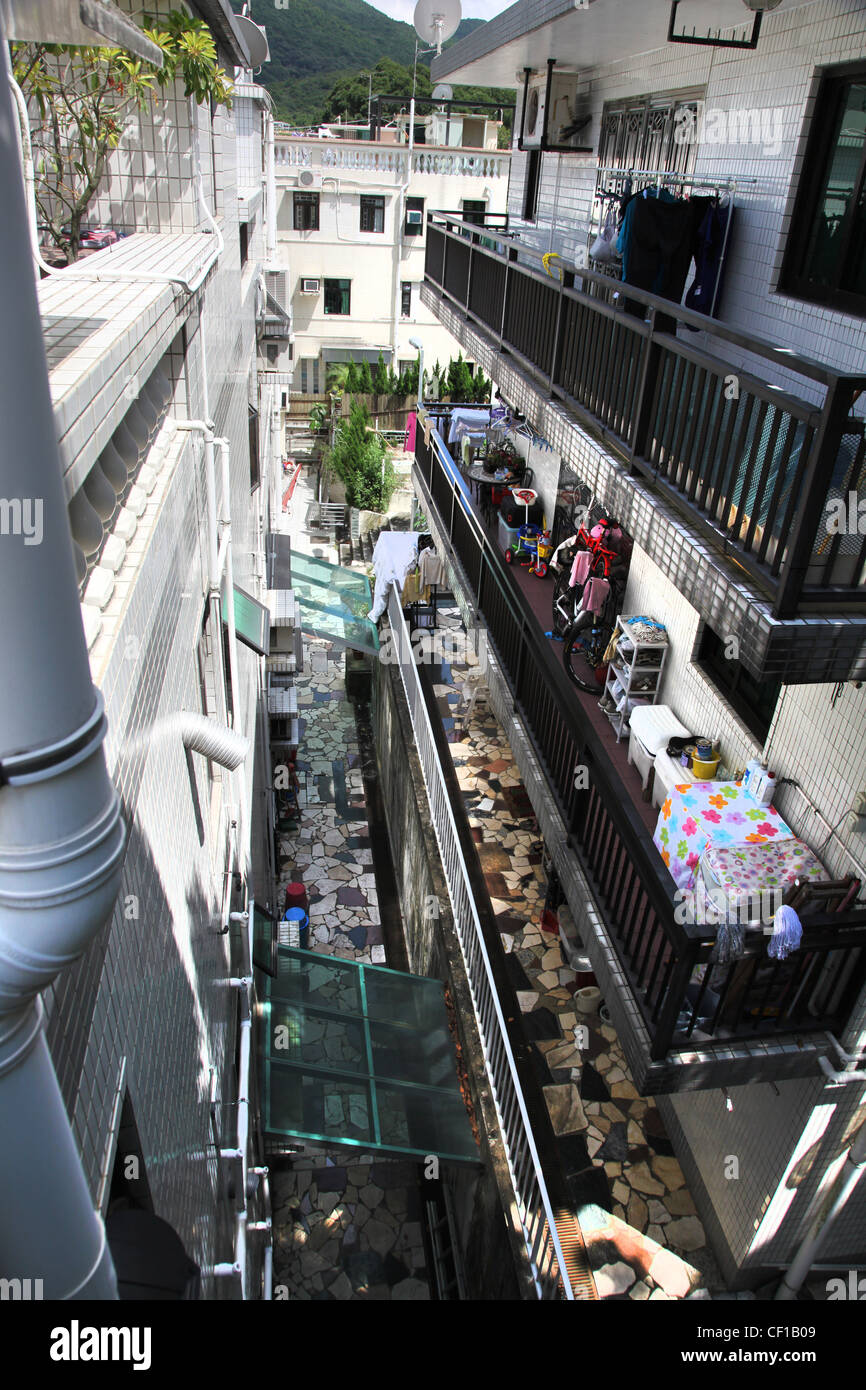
x=755, y=998
x=751, y=466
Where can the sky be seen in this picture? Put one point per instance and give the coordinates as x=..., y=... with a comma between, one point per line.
x=472, y=9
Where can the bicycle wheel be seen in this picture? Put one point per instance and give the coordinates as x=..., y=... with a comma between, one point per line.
x=585, y=644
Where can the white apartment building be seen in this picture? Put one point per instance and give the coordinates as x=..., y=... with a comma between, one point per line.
x=777, y=133
x=336, y=196
x=166, y=443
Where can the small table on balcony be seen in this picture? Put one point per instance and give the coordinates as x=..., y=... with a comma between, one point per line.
x=484, y=483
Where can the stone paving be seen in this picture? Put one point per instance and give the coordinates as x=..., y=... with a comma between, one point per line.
x=617, y=1156
x=349, y=1230
x=346, y=1223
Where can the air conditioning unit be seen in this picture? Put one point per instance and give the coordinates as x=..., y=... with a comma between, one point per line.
x=308, y=179
x=311, y=286
x=569, y=117
x=414, y=218
x=533, y=121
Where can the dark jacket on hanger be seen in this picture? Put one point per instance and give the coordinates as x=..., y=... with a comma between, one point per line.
x=662, y=242
x=706, y=288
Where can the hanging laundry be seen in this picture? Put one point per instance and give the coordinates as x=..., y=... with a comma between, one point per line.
x=430, y=568
x=710, y=256
x=787, y=934
x=595, y=596
x=662, y=239
x=581, y=567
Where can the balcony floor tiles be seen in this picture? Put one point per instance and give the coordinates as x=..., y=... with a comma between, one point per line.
x=347, y=1224
x=615, y=1151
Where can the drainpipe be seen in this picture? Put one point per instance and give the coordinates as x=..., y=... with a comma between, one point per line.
x=205, y=429
x=270, y=174
x=61, y=832
x=226, y=522
x=825, y=1211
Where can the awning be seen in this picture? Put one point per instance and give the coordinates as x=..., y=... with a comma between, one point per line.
x=334, y=603
x=252, y=621
x=357, y=354
x=360, y=1055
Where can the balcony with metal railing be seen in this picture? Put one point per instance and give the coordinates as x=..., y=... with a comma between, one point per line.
x=753, y=464
x=685, y=1021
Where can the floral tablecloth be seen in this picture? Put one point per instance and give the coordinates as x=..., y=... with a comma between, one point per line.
x=720, y=813
x=759, y=868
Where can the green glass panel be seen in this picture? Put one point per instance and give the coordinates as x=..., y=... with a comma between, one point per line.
x=358, y=1054
x=252, y=621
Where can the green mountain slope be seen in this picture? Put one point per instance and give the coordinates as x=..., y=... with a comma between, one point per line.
x=314, y=43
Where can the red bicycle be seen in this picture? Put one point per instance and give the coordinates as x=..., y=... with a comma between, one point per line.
x=606, y=563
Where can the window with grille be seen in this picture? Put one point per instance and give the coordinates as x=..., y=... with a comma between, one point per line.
x=647, y=133
x=474, y=210
x=406, y=298
x=372, y=214
x=305, y=212
x=337, y=296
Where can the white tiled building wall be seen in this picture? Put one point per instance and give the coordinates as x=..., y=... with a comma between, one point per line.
x=779, y=77
x=151, y=989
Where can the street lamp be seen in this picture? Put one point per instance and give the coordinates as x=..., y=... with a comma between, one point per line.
x=419, y=346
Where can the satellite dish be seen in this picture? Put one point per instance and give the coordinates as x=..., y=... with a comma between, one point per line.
x=255, y=39
x=442, y=93
x=436, y=20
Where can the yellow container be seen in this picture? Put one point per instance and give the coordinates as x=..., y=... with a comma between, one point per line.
x=705, y=771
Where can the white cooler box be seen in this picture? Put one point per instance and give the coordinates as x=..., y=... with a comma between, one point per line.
x=651, y=728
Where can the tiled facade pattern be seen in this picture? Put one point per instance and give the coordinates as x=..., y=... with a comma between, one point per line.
x=781, y=77
x=148, y=1002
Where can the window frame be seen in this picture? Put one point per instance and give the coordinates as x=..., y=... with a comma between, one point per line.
x=376, y=203
x=531, y=184
x=414, y=205
x=728, y=676
x=819, y=147
x=303, y=199
x=344, y=288
x=405, y=299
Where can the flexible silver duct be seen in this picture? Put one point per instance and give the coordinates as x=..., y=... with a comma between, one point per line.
x=215, y=741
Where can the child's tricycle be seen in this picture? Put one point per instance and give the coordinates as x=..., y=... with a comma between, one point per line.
x=532, y=549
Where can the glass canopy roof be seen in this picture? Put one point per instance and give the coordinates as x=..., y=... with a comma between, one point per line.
x=334, y=602
x=357, y=1054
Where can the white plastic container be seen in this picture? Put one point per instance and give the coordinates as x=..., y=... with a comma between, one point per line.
x=752, y=770
x=766, y=790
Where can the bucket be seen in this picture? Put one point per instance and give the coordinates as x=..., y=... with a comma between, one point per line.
x=705, y=769
x=587, y=999
x=298, y=915
x=296, y=896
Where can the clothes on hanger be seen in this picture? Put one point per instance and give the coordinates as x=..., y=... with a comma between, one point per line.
x=581, y=567
x=711, y=245
x=430, y=568
x=661, y=246
x=595, y=596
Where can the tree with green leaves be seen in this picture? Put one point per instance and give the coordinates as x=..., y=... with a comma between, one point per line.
x=481, y=388
x=86, y=98
x=365, y=379
x=459, y=380
x=350, y=385
x=380, y=377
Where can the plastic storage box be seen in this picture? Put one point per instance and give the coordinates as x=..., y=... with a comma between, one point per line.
x=508, y=536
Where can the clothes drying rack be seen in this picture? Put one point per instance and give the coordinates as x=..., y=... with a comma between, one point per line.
x=662, y=178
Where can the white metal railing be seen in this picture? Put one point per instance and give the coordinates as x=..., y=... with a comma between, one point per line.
x=533, y=1202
